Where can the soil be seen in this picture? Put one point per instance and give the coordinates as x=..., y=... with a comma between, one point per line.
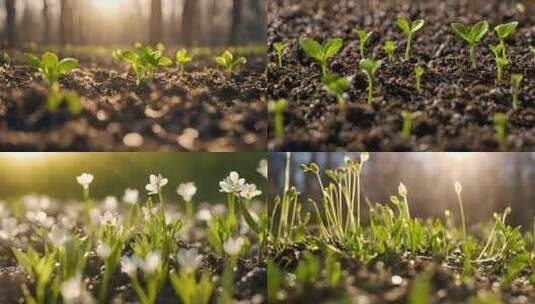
x=373, y=282
x=453, y=112
x=203, y=109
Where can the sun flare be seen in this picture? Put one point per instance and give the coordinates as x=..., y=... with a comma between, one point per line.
x=25, y=155
x=107, y=4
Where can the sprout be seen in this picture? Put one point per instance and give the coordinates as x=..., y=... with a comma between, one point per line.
x=516, y=79
x=458, y=190
x=409, y=30
x=390, y=47
x=277, y=108
x=321, y=53
x=56, y=98
x=407, y=124
x=363, y=38
x=472, y=35
x=500, y=125
x=279, y=48
x=369, y=67
x=228, y=62
x=337, y=86
x=419, y=71
x=144, y=60
x=50, y=67
x=504, y=31
x=182, y=58
x=501, y=60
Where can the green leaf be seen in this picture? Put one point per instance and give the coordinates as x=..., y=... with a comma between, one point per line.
x=369, y=66
x=421, y=290
x=505, y=30
x=332, y=47
x=279, y=46
x=164, y=61
x=403, y=24
x=49, y=60
x=478, y=31
x=417, y=25
x=389, y=46
x=312, y=48
x=336, y=85
x=461, y=30
x=130, y=56
x=221, y=61
x=66, y=65
x=73, y=102
x=33, y=60
x=419, y=70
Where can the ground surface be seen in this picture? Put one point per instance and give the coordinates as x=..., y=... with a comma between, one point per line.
x=202, y=110
x=455, y=108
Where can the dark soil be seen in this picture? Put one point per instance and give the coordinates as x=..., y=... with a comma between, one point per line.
x=373, y=283
x=202, y=110
x=455, y=108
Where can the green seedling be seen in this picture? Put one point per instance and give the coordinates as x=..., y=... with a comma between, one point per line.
x=500, y=125
x=144, y=60
x=419, y=72
x=182, y=58
x=501, y=60
x=277, y=108
x=407, y=124
x=389, y=48
x=50, y=67
x=421, y=290
x=228, y=62
x=363, y=39
x=6, y=60
x=337, y=86
x=472, y=35
x=504, y=31
x=322, y=53
x=56, y=98
x=369, y=67
x=279, y=48
x=409, y=30
x=516, y=80
x=39, y=268
x=458, y=190
x=187, y=287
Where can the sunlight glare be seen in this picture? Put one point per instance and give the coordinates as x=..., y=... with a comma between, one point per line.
x=107, y=4
x=23, y=156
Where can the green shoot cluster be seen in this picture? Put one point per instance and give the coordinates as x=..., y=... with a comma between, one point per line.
x=229, y=62
x=322, y=53
x=182, y=58
x=50, y=67
x=144, y=60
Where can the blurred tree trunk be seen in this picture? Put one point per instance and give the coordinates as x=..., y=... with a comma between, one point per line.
x=65, y=24
x=11, y=34
x=213, y=23
x=258, y=29
x=234, y=38
x=189, y=21
x=46, y=23
x=156, y=22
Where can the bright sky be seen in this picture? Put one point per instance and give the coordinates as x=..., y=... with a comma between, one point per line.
x=107, y=4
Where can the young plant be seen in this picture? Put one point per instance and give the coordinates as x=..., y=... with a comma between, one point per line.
x=56, y=98
x=182, y=58
x=503, y=31
x=233, y=248
x=501, y=60
x=500, y=125
x=144, y=60
x=458, y=190
x=389, y=48
x=40, y=270
x=109, y=248
x=409, y=30
x=369, y=67
x=50, y=67
x=472, y=35
x=154, y=274
x=279, y=48
x=322, y=53
x=228, y=62
x=516, y=80
x=407, y=124
x=337, y=86
x=363, y=39
x=187, y=287
x=419, y=71
x=277, y=108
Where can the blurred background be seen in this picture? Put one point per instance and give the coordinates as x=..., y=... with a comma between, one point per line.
x=119, y=22
x=491, y=181
x=54, y=174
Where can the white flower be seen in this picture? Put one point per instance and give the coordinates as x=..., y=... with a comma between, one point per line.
x=129, y=265
x=233, y=246
x=204, y=215
x=249, y=191
x=103, y=250
x=187, y=191
x=364, y=156
x=131, y=196
x=151, y=263
x=190, y=259
x=148, y=213
x=458, y=187
x=402, y=190
x=40, y=218
x=347, y=159
x=85, y=179
x=72, y=289
x=58, y=236
x=263, y=168
x=110, y=203
x=156, y=182
x=10, y=228
x=232, y=183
